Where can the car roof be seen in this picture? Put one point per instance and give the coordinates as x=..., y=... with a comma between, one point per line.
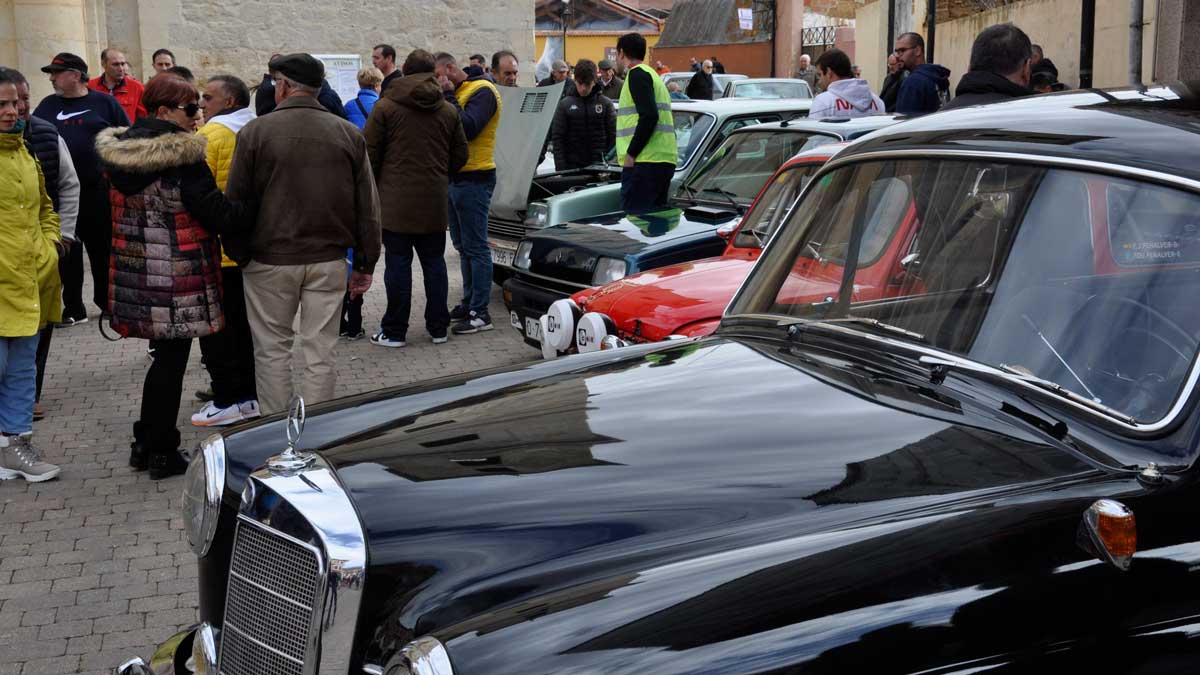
x=756, y=80
x=738, y=106
x=1153, y=128
x=840, y=126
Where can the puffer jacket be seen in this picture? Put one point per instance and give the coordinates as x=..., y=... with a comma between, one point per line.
x=585, y=128
x=415, y=142
x=29, y=283
x=221, y=134
x=164, y=274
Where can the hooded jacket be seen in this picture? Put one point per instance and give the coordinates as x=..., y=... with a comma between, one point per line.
x=585, y=128
x=925, y=90
x=164, y=270
x=980, y=87
x=29, y=282
x=415, y=142
x=221, y=134
x=846, y=98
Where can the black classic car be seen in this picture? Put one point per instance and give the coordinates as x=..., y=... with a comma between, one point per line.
x=704, y=210
x=989, y=467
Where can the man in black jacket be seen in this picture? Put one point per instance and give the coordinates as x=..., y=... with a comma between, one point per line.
x=264, y=97
x=999, y=68
x=701, y=86
x=585, y=124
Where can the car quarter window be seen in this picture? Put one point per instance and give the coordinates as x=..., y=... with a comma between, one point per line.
x=773, y=205
x=728, y=127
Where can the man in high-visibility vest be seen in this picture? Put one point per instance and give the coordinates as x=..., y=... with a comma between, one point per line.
x=645, y=131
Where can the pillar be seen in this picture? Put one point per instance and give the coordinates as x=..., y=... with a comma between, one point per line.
x=42, y=28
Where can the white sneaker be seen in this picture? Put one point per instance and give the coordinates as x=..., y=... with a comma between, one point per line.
x=18, y=457
x=383, y=340
x=212, y=416
x=249, y=409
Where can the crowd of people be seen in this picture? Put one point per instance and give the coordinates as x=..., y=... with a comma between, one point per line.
x=254, y=223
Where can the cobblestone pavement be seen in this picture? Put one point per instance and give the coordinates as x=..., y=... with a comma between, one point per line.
x=94, y=566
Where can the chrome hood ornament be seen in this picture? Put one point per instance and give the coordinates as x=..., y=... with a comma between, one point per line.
x=291, y=459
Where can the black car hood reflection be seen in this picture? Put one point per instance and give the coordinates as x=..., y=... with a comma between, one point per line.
x=618, y=235
x=591, y=475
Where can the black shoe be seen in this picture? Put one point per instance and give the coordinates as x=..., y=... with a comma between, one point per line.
x=458, y=313
x=204, y=395
x=139, y=459
x=351, y=336
x=68, y=321
x=476, y=322
x=167, y=464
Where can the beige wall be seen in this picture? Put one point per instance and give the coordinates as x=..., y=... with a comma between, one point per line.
x=238, y=36
x=870, y=36
x=1054, y=24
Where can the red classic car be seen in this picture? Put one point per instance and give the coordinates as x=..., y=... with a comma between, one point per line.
x=687, y=299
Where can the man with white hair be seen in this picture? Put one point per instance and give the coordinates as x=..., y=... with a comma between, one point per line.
x=702, y=85
x=807, y=72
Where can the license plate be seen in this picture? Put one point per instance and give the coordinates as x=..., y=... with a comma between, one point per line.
x=501, y=255
x=533, y=330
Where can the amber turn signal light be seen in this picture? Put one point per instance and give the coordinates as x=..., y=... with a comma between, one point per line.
x=1109, y=532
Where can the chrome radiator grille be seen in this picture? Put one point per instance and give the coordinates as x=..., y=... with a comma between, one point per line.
x=270, y=604
x=506, y=229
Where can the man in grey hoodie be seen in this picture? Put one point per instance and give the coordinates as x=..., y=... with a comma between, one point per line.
x=843, y=95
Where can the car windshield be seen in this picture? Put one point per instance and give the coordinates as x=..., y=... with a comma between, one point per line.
x=771, y=90
x=690, y=130
x=1070, y=280
x=739, y=168
x=773, y=205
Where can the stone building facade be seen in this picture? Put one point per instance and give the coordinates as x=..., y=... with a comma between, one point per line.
x=238, y=36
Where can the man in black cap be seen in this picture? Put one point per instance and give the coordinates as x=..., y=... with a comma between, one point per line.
x=313, y=205
x=79, y=114
x=610, y=85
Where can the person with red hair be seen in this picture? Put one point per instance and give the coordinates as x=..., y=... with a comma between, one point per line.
x=165, y=280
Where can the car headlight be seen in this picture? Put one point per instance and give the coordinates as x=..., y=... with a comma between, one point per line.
x=523, y=258
x=607, y=271
x=203, y=486
x=538, y=215
x=425, y=656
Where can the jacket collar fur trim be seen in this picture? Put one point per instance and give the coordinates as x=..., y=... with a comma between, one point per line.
x=149, y=154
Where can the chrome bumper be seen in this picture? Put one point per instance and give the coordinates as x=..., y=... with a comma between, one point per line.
x=177, y=650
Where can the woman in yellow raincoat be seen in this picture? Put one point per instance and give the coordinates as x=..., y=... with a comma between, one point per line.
x=30, y=245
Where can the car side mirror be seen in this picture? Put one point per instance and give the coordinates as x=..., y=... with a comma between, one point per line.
x=726, y=231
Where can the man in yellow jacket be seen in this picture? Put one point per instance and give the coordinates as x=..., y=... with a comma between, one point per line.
x=30, y=246
x=229, y=353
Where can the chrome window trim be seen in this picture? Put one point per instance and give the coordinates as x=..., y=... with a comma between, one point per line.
x=1092, y=166
x=319, y=498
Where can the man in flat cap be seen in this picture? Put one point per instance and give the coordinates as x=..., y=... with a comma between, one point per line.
x=310, y=175
x=79, y=114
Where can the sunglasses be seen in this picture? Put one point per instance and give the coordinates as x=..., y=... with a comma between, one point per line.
x=190, y=109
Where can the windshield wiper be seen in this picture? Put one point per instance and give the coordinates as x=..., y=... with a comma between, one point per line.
x=1038, y=331
x=1009, y=374
x=691, y=192
x=876, y=323
x=729, y=196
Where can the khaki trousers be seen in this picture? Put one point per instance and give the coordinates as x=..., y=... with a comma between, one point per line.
x=273, y=295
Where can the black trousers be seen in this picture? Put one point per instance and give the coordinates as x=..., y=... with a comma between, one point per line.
x=160, y=395
x=94, y=232
x=229, y=354
x=351, y=314
x=43, y=353
x=646, y=186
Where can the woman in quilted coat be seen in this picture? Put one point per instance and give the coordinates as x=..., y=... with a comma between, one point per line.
x=30, y=244
x=165, y=267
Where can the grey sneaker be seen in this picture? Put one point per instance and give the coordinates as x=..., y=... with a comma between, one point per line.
x=18, y=457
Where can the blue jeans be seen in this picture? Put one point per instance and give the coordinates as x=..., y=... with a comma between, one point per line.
x=469, y=203
x=397, y=280
x=18, y=381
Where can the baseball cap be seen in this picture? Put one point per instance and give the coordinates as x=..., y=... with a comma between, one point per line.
x=65, y=61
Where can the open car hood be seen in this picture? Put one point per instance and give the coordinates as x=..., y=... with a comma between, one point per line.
x=525, y=122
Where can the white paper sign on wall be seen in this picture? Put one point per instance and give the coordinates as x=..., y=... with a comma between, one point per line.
x=745, y=18
x=342, y=72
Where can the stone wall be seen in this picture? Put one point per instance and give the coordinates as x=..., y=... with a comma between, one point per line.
x=238, y=36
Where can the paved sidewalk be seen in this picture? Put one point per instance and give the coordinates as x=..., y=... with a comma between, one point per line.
x=94, y=566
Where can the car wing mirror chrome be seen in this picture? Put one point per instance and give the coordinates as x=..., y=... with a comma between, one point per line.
x=1109, y=532
x=911, y=263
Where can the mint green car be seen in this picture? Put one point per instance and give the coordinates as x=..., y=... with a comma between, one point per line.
x=523, y=201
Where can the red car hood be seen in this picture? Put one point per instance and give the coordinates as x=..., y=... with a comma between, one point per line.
x=668, y=298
